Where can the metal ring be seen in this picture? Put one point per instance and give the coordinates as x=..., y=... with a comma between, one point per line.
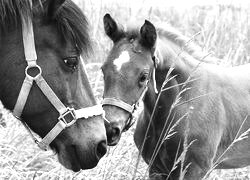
x=33, y=66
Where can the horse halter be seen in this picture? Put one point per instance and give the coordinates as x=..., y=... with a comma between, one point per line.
x=67, y=116
x=131, y=109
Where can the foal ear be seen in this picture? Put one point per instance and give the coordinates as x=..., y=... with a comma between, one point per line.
x=148, y=35
x=112, y=30
x=53, y=6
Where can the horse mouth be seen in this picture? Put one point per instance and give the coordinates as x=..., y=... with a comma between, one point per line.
x=76, y=159
x=90, y=161
x=77, y=165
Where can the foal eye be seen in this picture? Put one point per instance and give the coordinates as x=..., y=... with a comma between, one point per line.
x=143, y=78
x=71, y=62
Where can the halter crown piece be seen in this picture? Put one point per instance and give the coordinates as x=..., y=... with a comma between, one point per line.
x=67, y=116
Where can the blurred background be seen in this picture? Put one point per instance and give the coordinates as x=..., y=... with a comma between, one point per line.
x=223, y=24
x=223, y=29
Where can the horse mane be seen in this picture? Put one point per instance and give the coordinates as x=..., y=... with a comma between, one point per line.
x=72, y=24
x=69, y=19
x=11, y=11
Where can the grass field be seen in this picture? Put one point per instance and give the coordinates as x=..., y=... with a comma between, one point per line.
x=224, y=31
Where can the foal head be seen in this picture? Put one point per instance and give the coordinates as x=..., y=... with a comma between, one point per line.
x=128, y=72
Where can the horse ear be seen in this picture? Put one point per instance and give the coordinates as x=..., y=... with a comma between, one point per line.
x=148, y=35
x=112, y=30
x=53, y=6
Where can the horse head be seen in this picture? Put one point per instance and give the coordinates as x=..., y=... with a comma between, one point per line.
x=59, y=86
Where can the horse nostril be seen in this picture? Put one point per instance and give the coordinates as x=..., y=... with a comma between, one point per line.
x=101, y=149
x=115, y=134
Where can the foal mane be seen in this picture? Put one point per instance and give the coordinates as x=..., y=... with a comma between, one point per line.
x=69, y=19
x=185, y=43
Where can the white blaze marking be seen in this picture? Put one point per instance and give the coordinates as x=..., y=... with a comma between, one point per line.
x=123, y=58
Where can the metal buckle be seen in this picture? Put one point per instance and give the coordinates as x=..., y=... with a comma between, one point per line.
x=69, y=117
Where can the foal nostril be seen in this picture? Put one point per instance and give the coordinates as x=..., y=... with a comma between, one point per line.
x=101, y=149
x=114, y=134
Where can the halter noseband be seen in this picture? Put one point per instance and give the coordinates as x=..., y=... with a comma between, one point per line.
x=131, y=109
x=67, y=116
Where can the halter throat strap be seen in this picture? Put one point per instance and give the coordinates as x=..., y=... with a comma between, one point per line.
x=67, y=116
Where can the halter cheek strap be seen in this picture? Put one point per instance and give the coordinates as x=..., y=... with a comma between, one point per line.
x=67, y=116
x=156, y=61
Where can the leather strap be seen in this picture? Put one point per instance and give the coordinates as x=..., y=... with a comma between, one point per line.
x=29, y=41
x=119, y=103
x=22, y=97
x=87, y=112
x=142, y=94
x=54, y=132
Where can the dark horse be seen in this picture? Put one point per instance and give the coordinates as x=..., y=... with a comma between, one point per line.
x=206, y=102
x=56, y=31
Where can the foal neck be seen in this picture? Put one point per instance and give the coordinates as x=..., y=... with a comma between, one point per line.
x=185, y=69
x=171, y=55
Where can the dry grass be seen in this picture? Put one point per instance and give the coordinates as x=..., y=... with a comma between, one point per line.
x=224, y=31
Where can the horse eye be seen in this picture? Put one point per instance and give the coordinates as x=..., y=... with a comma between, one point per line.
x=143, y=78
x=71, y=62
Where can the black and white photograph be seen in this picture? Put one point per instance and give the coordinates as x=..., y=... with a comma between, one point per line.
x=124, y=90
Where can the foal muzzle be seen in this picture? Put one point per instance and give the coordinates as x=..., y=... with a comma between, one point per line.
x=131, y=109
